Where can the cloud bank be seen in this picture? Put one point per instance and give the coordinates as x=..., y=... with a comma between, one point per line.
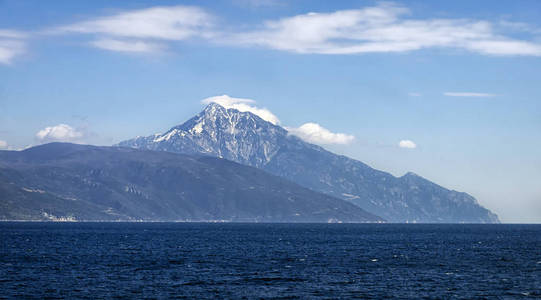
x=382, y=28
x=12, y=44
x=407, y=144
x=315, y=133
x=59, y=133
x=243, y=105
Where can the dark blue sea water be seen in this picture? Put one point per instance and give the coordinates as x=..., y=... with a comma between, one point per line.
x=180, y=260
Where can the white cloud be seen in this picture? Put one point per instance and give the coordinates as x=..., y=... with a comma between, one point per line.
x=314, y=133
x=505, y=47
x=310, y=132
x=127, y=46
x=59, y=133
x=167, y=23
x=12, y=44
x=415, y=94
x=137, y=30
x=468, y=94
x=407, y=144
x=381, y=28
x=243, y=105
x=3, y=144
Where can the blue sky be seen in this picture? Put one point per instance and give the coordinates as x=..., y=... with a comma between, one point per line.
x=458, y=82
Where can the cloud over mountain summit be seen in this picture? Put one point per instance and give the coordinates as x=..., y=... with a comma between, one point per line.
x=310, y=132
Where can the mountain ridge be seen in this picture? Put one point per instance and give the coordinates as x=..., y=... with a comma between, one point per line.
x=246, y=138
x=62, y=181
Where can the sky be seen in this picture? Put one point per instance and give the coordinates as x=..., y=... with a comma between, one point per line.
x=450, y=90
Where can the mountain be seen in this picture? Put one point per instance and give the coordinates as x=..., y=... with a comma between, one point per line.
x=66, y=181
x=245, y=138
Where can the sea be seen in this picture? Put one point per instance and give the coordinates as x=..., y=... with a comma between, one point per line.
x=268, y=261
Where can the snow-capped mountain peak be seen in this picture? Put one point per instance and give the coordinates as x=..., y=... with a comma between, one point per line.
x=228, y=133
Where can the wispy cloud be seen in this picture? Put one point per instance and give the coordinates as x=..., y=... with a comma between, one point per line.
x=519, y=27
x=381, y=28
x=59, y=133
x=138, y=30
x=242, y=104
x=12, y=34
x=12, y=44
x=469, y=94
x=127, y=46
x=315, y=133
x=407, y=144
x=258, y=3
